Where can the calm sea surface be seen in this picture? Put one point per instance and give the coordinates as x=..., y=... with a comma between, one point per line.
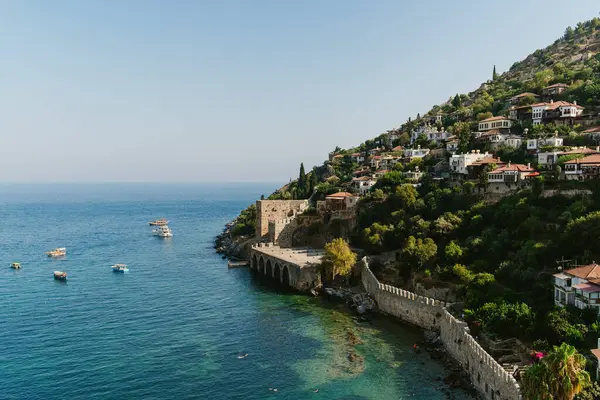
x=174, y=325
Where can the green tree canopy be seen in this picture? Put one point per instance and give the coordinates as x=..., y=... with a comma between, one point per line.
x=338, y=259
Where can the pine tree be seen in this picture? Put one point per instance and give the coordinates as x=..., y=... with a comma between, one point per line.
x=418, y=116
x=494, y=74
x=456, y=101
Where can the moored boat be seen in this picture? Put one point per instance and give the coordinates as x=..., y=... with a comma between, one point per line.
x=159, y=222
x=60, y=275
x=163, y=231
x=120, y=268
x=59, y=252
x=15, y=265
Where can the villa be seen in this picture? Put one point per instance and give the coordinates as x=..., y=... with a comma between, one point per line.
x=579, y=287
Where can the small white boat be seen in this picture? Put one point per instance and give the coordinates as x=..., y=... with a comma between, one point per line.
x=120, y=268
x=158, y=222
x=59, y=252
x=15, y=265
x=60, y=275
x=163, y=231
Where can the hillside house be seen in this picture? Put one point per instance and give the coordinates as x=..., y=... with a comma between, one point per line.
x=555, y=89
x=358, y=158
x=513, y=141
x=475, y=169
x=459, y=162
x=537, y=144
x=579, y=287
x=583, y=168
x=509, y=177
x=515, y=99
x=430, y=132
x=380, y=173
x=500, y=123
x=397, y=149
x=375, y=151
x=519, y=113
x=340, y=201
x=548, y=159
x=559, y=112
x=452, y=144
x=410, y=154
x=363, y=184
x=414, y=176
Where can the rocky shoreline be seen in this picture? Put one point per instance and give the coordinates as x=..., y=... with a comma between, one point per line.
x=238, y=249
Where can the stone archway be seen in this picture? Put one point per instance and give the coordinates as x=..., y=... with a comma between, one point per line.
x=254, y=264
x=269, y=269
x=285, y=276
x=277, y=272
x=261, y=264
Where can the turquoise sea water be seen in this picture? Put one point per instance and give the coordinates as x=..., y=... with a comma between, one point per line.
x=174, y=325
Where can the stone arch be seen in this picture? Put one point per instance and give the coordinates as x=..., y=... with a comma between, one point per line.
x=254, y=264
x=277, y=272
x=269, y=269
x=261, y=264
x=285, y=276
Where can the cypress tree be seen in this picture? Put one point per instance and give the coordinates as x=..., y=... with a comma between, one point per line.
x=313, y=181
x=301, y=181
x=494, y=74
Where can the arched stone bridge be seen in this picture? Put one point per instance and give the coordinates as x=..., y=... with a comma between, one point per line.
x=293, y=267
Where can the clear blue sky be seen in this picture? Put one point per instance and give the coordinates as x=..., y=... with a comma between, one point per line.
x=238, y=90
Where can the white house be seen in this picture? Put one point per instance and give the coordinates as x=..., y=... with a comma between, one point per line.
x=583, y=168
x=358, y=158
x=536, y=144
x=513, y=141
x=555, y=110
x=579, y=287
x=460, y=162
x=509, y=177
x=363, y=184
x=498, y=122
x=452, y=146
x=548, y=159
x=415, y=153
x=414, y=176
x=537, y=112
x=430, y=132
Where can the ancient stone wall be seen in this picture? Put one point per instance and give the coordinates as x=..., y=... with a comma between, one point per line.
x=281, y=231
x=486, y=374
x=267, y=210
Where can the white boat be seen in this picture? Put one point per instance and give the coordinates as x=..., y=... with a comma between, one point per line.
x=120, y=268
x=163, y=231
x=60, y=275
x=159, y=222
x=61, y=251
x=15, y=265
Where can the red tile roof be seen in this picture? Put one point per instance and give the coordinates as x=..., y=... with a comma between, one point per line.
x=585, y=150
x=498, y=118
x=587, y=272
x=557, y=85
x=397, y=148
x=595, y=129
x=339, y=195
x=593, y=159
x=512, y=167
x=524, y=95
x=489, y=160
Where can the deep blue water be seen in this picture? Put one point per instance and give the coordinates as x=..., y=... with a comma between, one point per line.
x=173, y=326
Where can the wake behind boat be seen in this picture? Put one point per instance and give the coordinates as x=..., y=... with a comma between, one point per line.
x=158, y=222
x=59, y=252
x=120, y=268
x=163, y=231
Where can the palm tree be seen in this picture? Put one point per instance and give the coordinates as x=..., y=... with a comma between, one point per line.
x=559, y=376
x=567, y=367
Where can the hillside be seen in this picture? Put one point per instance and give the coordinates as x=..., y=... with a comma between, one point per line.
x=484, y=196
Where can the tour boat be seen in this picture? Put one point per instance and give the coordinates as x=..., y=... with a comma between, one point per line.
x=61, y=251
x=60, y=275
x=120, y=268
x=163, y=231
x=15, y=265
x=159, y=222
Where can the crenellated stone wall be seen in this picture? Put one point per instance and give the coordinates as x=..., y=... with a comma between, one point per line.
x=273, y=210
x=486, y=374
x=281, y=231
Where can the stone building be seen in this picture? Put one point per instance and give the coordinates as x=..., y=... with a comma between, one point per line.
x=275, y=210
